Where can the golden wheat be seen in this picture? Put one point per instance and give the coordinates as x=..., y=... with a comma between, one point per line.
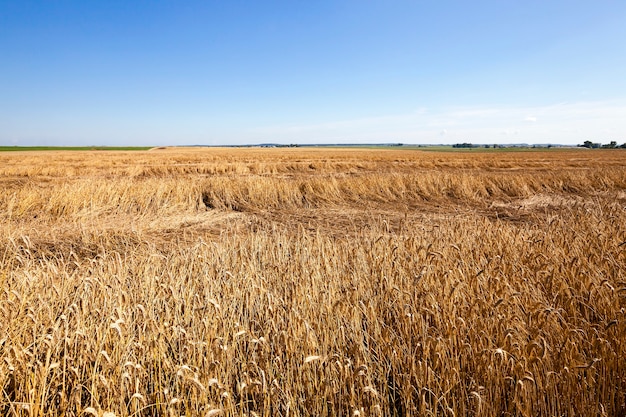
x=296, y=282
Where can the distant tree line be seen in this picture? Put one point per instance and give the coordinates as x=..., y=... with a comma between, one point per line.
x=471, y=145
x=596, y=145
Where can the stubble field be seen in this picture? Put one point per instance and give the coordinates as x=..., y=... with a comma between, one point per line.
x=297, y=282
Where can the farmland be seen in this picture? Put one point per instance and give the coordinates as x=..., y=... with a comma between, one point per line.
x=295, y=282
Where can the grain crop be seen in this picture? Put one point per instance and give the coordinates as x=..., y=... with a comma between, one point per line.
x=308, y=282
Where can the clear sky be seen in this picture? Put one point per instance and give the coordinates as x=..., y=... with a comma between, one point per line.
x=244, y=72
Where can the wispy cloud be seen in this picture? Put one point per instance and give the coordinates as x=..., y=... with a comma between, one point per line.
x=558, y=123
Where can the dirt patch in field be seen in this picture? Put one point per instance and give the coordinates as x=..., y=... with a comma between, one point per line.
x=540, y=201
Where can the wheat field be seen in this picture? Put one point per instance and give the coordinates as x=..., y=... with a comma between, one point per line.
x=313, y=282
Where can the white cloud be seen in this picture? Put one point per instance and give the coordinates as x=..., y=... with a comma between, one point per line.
x=567, y=123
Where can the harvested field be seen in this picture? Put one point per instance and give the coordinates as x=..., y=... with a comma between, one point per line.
x=297, y=282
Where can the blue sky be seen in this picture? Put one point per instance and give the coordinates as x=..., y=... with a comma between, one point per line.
x=235, y=72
